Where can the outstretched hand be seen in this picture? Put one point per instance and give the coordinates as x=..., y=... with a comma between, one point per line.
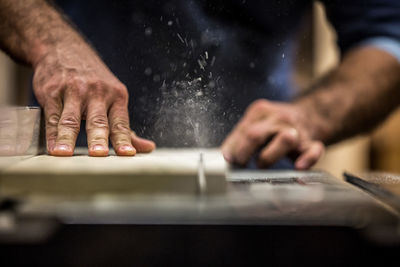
x=71, y=83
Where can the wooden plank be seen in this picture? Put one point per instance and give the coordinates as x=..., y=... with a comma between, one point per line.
x=163, y=171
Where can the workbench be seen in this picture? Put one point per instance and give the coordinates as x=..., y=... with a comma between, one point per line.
x=254, y=217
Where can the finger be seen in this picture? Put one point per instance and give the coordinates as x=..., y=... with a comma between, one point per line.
x=142, y=145
x=52, y=114
x=310, y=156
x=285, y=141
x=68, y=125
x=120, y=131
x=227, y=147
x=97, y=128
x=230, y=142
x=251, y=139
x=257, y=111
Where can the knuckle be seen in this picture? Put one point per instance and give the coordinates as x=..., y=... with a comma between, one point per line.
x=98, y=121
x=122, y=141
x=254, y=135
x=121, y=92
x=70, y=121
x=73, y=81
x=285, y=117
x=98, y=139
x=280, y=117
x=74, y=86
x=53, y=120
x=96, y=84
x=120, y=126
x=65, y=138
x=264, y=160
x=96, y=89
x=52, y=93
x=101, y=89
x=259, y=105
x=288, y=138
x=241, y=127
x=320, y=145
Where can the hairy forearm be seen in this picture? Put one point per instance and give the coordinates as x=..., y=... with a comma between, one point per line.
x=354, y=97
x=29, y=29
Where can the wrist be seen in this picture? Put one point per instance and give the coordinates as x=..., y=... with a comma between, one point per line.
x=70, y=42
x=47, y=35
x=308, y=115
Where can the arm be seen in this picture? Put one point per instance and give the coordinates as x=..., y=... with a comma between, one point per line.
x=70, y=80
x=355, y=97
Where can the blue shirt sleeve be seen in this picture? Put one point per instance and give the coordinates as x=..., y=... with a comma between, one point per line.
x=366, y=23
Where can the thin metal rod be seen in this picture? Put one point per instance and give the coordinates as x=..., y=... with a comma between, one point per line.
x=201, y=177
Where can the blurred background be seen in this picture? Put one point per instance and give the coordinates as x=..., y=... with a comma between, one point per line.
x=316, y=55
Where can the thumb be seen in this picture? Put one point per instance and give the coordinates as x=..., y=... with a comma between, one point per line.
x=142, y=145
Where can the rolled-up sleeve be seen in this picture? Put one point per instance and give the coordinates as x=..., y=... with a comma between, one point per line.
x=366, y=23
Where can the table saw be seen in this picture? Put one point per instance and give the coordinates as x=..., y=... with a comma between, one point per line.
x=185, y=207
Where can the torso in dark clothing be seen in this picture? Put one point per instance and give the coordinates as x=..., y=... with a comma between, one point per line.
x=192, y=67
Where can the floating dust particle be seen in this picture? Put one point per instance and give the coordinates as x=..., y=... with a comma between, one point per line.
x=156, y=78
x=212, y=61
x=170, y=22
x=148, y=31
x=180, y=38
x=148, y=71
x=187, y=113
x=206, y=55
x=192, y=44
x=202, y=62
x=252, y=65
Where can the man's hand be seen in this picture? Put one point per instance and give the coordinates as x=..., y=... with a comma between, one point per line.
x=278, y=130
x=72, y=83
x=351, y=99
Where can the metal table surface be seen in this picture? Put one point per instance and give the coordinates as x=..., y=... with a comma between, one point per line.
x=263, y=217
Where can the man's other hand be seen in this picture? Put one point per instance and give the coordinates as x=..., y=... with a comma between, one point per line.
x=277, y=129
x=72, y=83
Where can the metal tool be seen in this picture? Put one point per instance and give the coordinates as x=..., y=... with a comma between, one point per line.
x=201, y=177
x=19, y=131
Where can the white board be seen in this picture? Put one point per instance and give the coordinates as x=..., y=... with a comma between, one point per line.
x=162, y=171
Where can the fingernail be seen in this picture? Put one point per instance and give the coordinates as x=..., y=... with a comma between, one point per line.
x=126, y=148
x=98, y=148
x=62, y=148
x=302, y=165
x=227, y=157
